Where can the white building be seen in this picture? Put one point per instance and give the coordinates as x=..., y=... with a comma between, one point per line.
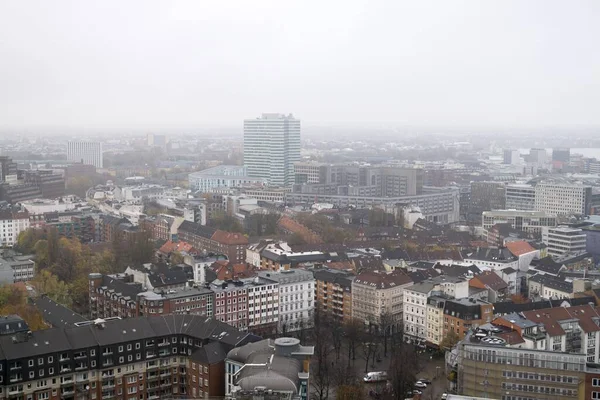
x=11, y=225
x=527, y=221
x=415, y=310
x=222, y=176
x=16, y=268
x=563, y=240
x=263, y=302
x=520, y=196
x=296, y=298
x=563, y=198
x=136, y=194
x=86, y=152
x=271, y=147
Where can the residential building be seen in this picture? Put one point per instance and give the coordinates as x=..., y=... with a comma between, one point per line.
x=13, y=324
x=11, y=225
x=56, y=315
x=15, y=267
x=520, y=196
x=497, y=288
x=272, y=147
x=527, y=221
x=267, y=194
x=562, y=240
x=486, y=196
x=435, y=320
x=549, y=287
x=563, y=198
x=280, y=256
x=210, y=240
x=138, y=193
x=333, y=293
x=131, y=358
x=462, y=315
x=491, y=258
x=253, y=252
x=377, y=295
x=231, y=302
x=120, y=296
x=524, y=252
x=296, y=298
x=221, y=176
x=498, y=234
x=85, y=152
x=415, y=304
x=263, y=305
x=277, y=368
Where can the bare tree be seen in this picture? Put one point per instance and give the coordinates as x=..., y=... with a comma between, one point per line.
x=386, y=321
x=404, y=367
x=321, y=377
x=353, y=330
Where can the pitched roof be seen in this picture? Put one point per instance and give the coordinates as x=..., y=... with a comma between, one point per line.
x=491, y=254
x=229, y=238
x=422, y=275
x=197, y=229
x=457, y=270
x=519, y=247
x=225, y=270
x=209, y=354
x=56, y=314
x=344, y=279
x=506, y=307
x=181, y=247
x=553, y=283
x=491, y=280
x=546, y=264
x=382, y=280
x=551, y=317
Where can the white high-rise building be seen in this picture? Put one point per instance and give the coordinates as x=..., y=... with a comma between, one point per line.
x=86, y=152
x=271, y=147
x=563, y=198
x=564, y=240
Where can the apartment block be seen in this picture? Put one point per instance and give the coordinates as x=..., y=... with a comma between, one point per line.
x=11, y=225
x=133, y=358
x=333, y=294
x=563, y=198
x=296, y=298
x=379, y=294
x=520, y=196
x=15, y=267
x=527, y=221
x=210, y=240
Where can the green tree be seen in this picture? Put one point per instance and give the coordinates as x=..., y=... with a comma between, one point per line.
x=48, y=284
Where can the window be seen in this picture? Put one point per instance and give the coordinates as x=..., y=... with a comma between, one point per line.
x=129, y=347
x=50, y=360
x=120, y=349
x=137, y=346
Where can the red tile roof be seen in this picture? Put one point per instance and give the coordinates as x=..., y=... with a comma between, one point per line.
x=170, y=247
x=488, y=279
x=518, y=248
x=229, y=238
x=551, y=318
x=290, y=225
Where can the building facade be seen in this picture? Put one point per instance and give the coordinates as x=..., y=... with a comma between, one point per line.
x=563, y=198
x=563, y=240
x=11, y=225
x=520, y=197
x=333, y=294
x=272, y=147
x=85, y=152
x=527, y=221
x=222, y=176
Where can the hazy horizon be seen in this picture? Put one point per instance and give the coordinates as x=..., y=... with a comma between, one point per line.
x=155, y=66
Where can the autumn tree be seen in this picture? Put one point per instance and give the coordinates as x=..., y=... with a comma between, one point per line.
x=449, y=341
x=48, y=284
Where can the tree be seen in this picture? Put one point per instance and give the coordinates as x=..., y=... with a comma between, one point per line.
x=518, y=298
x=48, y=284
x=449, y=341
x=350, y=392
x=404, y=367
x=296, y=239
x=321, y=377
x=176, y=258
x=385, y=326
x=353, y=330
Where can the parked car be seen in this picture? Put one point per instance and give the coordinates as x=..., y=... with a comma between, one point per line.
x=444, y=396
x=420, y=385
x=425, y=381
x=378, y=376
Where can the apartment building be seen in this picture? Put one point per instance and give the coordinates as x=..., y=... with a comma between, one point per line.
x=527, y=221
x=120, y=296
x=231, y=303
x=462, y=315
x=85, y=152
x=490, y=258
x=563, y=198
x=333, y=293
x=210, y=240
x=549, y=287
x=415, y=310
x=562, y=240
x=133, y=358
x=11, y=225
x=269, y=368
x=379, y=294
x=263, y=305
x=220, y=177
x=296, y=298
x=435, y=320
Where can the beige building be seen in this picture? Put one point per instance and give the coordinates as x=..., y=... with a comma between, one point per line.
x=376, y=294
x=435, y=319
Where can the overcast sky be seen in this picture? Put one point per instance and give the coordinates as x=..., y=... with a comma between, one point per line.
x=186, y=63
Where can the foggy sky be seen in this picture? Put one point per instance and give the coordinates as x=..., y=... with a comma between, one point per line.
x=423, y=63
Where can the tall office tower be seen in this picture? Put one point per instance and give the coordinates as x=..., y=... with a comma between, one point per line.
x=561, y=154
x=85, y=152
x=511, y=156
x=538, y=157
x=520, y=196
x=271, y=147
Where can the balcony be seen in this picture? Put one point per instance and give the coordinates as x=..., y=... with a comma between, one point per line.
x=162, y=344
